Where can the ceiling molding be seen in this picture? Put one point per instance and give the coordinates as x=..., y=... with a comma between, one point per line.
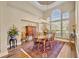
x=46, y=7
x=46, y=2
x=20, y=6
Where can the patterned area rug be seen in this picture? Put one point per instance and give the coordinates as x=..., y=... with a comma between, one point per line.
x=34, y=53
x=49, y=53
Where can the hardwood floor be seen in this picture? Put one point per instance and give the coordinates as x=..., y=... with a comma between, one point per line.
x=68, y=51
x=16, y=52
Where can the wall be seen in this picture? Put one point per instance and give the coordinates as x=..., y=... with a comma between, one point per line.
x=3, y=25
x=26, y=6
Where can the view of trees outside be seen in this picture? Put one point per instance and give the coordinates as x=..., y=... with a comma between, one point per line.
x=59, y=23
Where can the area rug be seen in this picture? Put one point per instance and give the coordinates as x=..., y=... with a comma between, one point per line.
x=34, y=53
x=51, y=53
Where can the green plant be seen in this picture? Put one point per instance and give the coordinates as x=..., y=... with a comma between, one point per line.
x=13, y=31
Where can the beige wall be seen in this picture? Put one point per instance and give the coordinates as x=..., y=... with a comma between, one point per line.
x=3, y=25
x=26, y=7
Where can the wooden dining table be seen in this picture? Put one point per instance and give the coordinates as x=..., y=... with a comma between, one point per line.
x=43, y=40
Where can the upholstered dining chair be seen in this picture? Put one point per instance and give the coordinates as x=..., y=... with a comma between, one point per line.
x=53, y=35
x=35, y=43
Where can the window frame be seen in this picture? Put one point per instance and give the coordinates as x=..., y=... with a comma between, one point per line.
x=61, y=21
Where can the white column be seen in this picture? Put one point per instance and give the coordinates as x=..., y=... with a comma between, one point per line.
x=77, y=26
x=3, y=30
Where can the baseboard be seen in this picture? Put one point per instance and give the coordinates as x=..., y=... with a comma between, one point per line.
x=3, y=53
x=19, y=43
x=64, y=40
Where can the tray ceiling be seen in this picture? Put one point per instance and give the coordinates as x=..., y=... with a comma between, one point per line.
x=46, y=2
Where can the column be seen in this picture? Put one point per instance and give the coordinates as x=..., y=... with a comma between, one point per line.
x=77, y=27
x=3, y=29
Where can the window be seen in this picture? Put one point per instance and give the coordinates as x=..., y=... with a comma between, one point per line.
x=65, y=22
x=56, y=14
x=65, y=15
x=56, y=26
x=56, y=22
x=65, y=30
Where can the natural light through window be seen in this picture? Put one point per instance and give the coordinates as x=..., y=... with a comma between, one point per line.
x=65, y=15
x=59, y=23
x=56, y=14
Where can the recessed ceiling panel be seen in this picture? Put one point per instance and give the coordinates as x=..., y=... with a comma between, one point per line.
x=46, y=2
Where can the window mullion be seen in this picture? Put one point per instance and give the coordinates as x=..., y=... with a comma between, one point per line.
x=61, y=25
x=50, y=23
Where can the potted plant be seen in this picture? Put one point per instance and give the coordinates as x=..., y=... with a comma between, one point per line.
x=12, y=34
x=13, y=31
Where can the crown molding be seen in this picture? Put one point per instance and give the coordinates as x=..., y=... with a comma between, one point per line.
x=46, y=7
